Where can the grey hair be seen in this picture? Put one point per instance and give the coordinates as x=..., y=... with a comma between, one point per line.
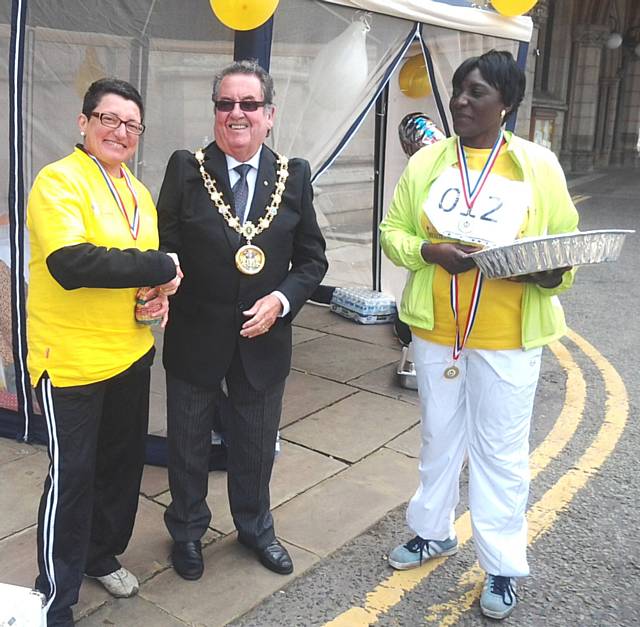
x=249, y=67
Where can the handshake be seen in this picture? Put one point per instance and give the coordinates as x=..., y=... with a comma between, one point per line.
x=152, y=303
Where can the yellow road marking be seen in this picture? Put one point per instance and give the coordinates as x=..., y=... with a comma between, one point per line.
x=389, y=592
x=578, y=198
x=543, y=514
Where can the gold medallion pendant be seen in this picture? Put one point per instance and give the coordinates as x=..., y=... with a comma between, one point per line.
x=451, y=372
x=250, y=259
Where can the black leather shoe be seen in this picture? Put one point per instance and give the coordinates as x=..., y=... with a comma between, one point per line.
x=276, y=558
x=187, y=559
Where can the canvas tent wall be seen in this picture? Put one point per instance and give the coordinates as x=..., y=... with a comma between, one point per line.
x=332, y=61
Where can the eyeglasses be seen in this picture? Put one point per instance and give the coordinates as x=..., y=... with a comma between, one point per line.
x=245, y=105
x=111, y=120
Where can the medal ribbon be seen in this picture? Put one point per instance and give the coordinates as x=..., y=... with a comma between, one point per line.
x=471, y=316
x=134, y=224
x=471, y=194
x=470, y=197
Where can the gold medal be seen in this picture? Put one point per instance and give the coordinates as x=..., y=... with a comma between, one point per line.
x=250, y=259
x=451, y=372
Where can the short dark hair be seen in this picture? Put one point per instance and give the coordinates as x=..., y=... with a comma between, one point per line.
x=251, y=67
x=104, y=86
x=501, y=71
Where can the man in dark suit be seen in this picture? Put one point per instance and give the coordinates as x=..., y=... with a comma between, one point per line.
x=232, y=317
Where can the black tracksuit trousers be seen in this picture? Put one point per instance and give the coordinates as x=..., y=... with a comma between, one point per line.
x=88, y=507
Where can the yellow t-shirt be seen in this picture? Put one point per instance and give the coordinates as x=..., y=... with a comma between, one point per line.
x=498, y=320
x=83, y=335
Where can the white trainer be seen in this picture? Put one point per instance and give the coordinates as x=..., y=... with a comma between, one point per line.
x=120, y=583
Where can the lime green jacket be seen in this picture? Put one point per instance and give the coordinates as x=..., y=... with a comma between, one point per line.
x=402, y=233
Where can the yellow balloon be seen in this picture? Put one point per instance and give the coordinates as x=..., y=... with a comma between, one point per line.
x=243, y=14
x=414, y=79
x=511, y=8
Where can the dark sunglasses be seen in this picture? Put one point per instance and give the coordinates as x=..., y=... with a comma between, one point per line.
x=245, y=105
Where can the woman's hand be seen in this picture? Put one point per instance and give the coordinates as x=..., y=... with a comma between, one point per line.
x=156, y=304
x=454, y=258
x=546, y=278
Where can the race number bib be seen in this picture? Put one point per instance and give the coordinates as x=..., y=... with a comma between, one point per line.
x=494, y=219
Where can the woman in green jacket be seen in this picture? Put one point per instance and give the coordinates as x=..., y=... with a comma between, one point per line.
x=477, y=343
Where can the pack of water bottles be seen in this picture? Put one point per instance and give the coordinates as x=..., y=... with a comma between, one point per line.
x=363, y=305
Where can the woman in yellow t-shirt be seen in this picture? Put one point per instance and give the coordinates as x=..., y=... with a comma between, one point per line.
x=477, y=343
x=94, y=241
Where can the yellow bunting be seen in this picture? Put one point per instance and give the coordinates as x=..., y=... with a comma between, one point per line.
x=243, y=14
x=511, y=8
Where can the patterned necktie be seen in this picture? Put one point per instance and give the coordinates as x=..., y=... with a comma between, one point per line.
x=241, y=190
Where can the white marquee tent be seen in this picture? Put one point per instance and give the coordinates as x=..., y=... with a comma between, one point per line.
x=335, y=66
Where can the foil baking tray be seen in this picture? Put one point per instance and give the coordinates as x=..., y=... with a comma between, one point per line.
x=536, y=254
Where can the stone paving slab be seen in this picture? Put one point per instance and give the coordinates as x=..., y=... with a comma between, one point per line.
x=300, y=335
x=155, y=480
x=314, y=317
x=92, y=596
x=296, y=470
x=19, y=559
x=305, y=394
x=135, y=612
x=353, y=427
x=19, y=496
x=324, y=518
x=149, y=549
x=408, y=443
x=157, y=413
x=379, y=334
x=10, y=450
x=385, y=381
x=341, y=359
x=233, y=582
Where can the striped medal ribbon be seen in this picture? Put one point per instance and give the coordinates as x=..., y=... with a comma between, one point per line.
x=470, y=196
x=134, y=224
x=451, y=372
x=471, y=193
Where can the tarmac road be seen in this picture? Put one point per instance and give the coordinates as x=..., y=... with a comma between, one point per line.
x=583, y=516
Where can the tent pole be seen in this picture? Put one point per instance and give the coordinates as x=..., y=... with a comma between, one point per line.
x=255, y=44
x=16, y=213
x=380, y=148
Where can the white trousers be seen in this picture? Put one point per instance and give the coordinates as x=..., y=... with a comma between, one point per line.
x=483, y=414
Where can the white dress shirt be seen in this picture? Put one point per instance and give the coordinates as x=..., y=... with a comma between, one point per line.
x=252, y=175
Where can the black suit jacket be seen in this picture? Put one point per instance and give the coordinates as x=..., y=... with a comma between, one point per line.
x=206, y=313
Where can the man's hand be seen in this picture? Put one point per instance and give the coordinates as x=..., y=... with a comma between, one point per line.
x=170, y=288
x=546, y=278
x=454, y=258
x=262, y=316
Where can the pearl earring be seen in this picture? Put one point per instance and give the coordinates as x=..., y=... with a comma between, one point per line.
x=82, y=133
x=503, y=113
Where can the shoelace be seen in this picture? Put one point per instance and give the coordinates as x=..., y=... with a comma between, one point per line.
x=502, y=586
x=418, y=544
